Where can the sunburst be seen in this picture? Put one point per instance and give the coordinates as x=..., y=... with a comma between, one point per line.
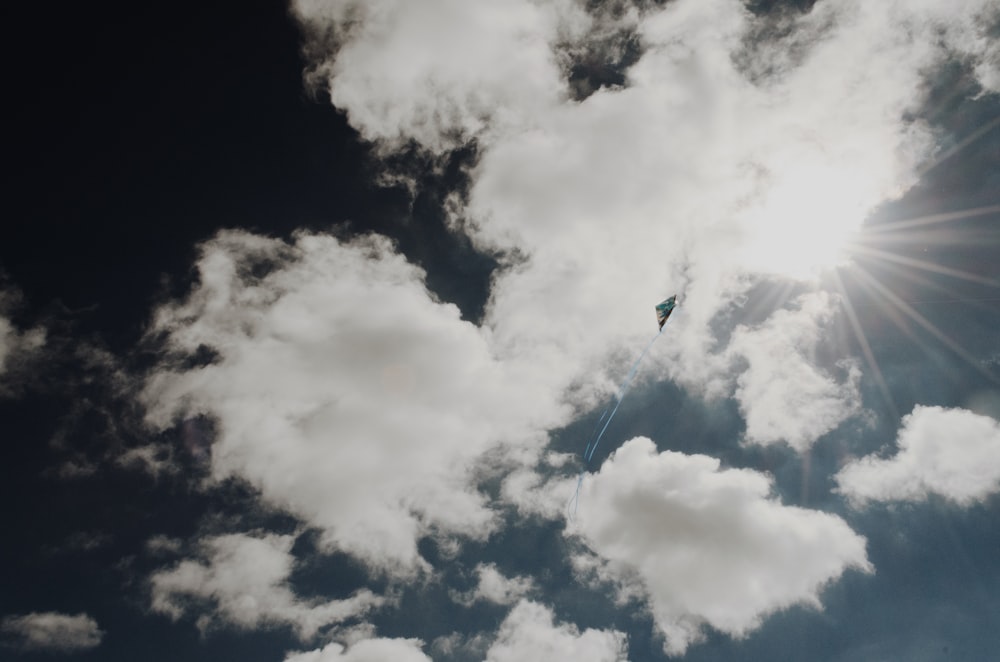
x=888, y=248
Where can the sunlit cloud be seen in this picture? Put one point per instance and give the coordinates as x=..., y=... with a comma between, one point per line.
x=708, y=546
x=952, y=453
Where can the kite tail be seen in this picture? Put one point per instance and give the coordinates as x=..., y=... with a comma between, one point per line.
x=606, y=418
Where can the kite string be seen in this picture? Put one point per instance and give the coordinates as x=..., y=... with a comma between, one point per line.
x=596, y=439
x=622, y=390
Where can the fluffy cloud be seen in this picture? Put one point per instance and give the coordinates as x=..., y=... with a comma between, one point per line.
x=368, y=650
x=52, y=632
x=490, y=65
x=530, y=633
x=243, y=580
x=782, y=393
x=953, y=453
x=343, y=391
x=494, y=587
x=707, y=545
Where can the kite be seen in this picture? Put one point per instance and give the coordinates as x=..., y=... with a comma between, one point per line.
x=663, y=311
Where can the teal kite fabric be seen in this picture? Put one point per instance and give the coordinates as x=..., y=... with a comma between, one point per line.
x=664, y=308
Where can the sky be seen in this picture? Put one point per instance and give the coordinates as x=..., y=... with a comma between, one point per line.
x=310, y=310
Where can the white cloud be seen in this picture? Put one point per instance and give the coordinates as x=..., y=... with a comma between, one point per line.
x=52, y=632
x=243, y=581
x=710, y=546
x=491, y=65
x=953, y=453
x=344, y=392
x=530, y=633
x=533, y=494
x=782, y=393
x=494, y=587
x=368, y=650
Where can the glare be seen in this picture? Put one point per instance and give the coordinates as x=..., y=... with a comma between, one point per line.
x=803, y=222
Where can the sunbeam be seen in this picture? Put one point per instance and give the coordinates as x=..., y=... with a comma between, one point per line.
x=931, y=219
x=925, y=266
x=901, y=306
x=866, y=348
x=958, y=147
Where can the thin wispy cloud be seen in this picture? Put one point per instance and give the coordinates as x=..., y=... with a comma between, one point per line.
x=243, y=581
x=51, y=632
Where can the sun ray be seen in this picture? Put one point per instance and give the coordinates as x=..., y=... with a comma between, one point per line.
x=958, y=147
x=866, y=348
x=921, y=279
x=948, y=295
x=925, y=266
x=902, y=306
x=932, y=219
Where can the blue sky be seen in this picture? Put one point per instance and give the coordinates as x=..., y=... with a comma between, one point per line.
x=309, y=311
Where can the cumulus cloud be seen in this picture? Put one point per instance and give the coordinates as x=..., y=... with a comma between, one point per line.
x=368, y=650
x=530, y=633
x=953, y=453
x=708, y=546
x=494, y=587
x=782, y=393
x=242, y=580
x=344, y=391
x=52, y=632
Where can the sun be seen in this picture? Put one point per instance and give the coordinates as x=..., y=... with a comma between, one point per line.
x=804, y=219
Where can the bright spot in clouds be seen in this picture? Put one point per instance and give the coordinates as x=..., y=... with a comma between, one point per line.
x=805, y=220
